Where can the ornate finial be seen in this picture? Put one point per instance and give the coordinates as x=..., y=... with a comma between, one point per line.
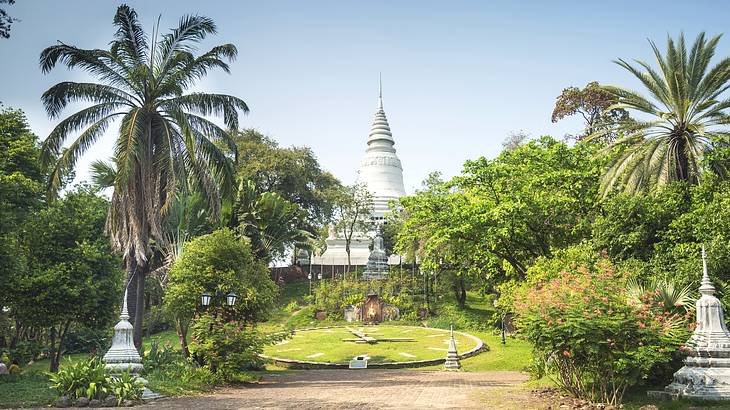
x=125, y=314
x=452, y=331
x=380, y=93
x=706, y=287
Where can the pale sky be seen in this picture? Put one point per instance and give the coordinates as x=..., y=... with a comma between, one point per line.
x=458, y=76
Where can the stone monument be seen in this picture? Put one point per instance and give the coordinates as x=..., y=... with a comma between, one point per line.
x=381, y=172
x=377, y=266
x=706, y=371
x=452, y=362
x=122, y=356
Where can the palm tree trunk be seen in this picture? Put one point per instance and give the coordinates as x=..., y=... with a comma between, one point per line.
x=139, y=311
x=136, y=274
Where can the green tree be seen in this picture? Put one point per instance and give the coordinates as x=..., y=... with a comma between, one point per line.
x=294, y=173
x=686, y=118
x=353, y=213
x=73, y=276
x=164, y=140
x=215, y=262
x=21, y=188
x=496, y=218
x=594, y=105
x=272, y=223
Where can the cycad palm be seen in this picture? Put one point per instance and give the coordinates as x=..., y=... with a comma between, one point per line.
x=164, y=138
x=685, y=117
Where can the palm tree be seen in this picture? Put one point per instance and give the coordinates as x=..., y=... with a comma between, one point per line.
x=164, y=138
x=272, y=223
x=684, y=119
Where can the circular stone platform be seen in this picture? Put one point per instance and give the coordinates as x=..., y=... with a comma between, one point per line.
x=324, y=347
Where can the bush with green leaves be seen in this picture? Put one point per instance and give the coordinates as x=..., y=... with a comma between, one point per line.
x=126, y=387
x=228, y=347
x=219, y=261
x=90, y=379
x=588, y=334
x=84, y=378
x=332, y=296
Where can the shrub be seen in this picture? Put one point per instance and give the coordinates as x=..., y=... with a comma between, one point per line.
x=90, y=379
x=82, y=339
x=160, y=356
x=333, y=296
x=126, y=386
x=228, y=348
x=84, y=378
x=587, y=334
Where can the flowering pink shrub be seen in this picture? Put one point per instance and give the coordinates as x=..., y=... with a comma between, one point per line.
x=590, y=338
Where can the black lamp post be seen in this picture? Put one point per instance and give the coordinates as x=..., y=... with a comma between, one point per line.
x=504, y=338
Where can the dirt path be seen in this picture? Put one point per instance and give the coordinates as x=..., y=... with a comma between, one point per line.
x=362, y=389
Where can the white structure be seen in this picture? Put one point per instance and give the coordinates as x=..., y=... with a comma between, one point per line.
x=381, y=172
x=706, y=371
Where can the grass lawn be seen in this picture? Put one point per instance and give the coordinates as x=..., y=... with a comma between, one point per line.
x=326, y=345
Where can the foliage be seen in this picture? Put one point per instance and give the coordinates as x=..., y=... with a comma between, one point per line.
x=6, y=20
x=594, y=104
x=293, y=173
x=494, y=220
x=272, y=223
x=84, y=378
x=687, y=118
x=83, y=339
x=332, y=296
x=126, y=386
x=215, y=262
x=228, y=347
x=159, y=357
x=165, y=142
x=353, y=210
x=20, y=195
x=73, y=274
x=630, y=225
x=585, y=331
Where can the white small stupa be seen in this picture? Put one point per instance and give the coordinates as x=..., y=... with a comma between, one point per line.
x=706, y=371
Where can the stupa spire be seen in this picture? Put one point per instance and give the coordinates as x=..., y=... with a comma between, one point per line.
x=706, y=287
x=380, y=92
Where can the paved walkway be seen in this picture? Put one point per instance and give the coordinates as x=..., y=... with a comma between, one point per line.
x=361, y=389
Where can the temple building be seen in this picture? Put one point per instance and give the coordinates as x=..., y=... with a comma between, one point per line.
x=382, y=173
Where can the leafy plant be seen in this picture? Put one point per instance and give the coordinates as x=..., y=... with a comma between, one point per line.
x=160, y=356
x=686, y=119
x=228, y=348
x=590, y=338
x=84, y=378
x=127, y=386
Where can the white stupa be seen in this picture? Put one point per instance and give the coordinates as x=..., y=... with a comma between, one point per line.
x=382, y=173
x=380, y=169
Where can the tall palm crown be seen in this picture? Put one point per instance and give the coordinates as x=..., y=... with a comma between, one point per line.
x=686, y=117
x=164, y=138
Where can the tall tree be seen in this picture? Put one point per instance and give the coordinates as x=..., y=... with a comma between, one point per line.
x=164, y=139
x=73, y=276
x=293, y=172
x=21, y=194
x=353, y=213
x=272, y=223
x=593, y=104
x=686, y=118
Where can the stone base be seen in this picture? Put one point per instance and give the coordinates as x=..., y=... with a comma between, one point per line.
x=701, y=383
x=452, y=364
